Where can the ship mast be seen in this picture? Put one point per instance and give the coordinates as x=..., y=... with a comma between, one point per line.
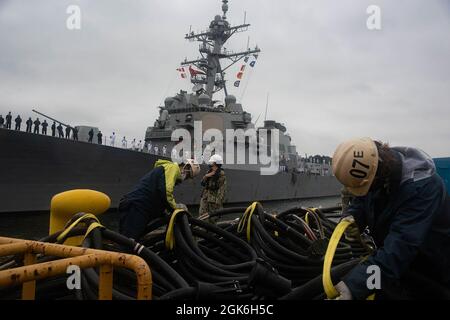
x=212, y=75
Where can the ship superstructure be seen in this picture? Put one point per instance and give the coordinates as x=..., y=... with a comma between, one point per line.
x=208, y=77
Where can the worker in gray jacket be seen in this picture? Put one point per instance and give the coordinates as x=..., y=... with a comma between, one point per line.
x=403, y=203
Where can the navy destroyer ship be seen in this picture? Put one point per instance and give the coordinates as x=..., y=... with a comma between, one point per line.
x=36, y=167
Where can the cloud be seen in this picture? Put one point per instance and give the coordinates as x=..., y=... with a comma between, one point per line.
x=329, y=77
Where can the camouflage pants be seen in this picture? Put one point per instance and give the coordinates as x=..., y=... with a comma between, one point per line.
x=206, y=207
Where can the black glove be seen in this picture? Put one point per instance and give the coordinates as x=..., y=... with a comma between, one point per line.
x=352, y=232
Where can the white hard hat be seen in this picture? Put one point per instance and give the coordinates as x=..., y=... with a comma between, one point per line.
x=217, y=159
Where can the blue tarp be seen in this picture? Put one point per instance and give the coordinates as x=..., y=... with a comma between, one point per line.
x=443, y=169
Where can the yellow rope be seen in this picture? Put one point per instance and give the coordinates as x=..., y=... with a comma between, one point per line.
x=93, y=226
x=246, y=219
x=170, y=236
x=307, y=218
x=75, y=223
x=330, y=290
x=327, y=282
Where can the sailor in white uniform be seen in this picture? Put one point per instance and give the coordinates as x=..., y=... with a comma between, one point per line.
x=112, y=139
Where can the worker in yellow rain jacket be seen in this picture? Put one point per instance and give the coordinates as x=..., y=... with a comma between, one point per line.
x=153, y=195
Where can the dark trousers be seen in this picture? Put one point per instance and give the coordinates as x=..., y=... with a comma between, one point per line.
x=133, y=219
x=36, y=130
x=8, y=125
x=44, y=131
x=18, y=126
x=414, y=286
x=28, y=128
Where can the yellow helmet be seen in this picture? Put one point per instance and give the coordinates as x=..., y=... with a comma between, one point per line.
x=355, y=164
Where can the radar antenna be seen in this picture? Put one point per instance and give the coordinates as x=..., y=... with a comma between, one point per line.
x=208, y=70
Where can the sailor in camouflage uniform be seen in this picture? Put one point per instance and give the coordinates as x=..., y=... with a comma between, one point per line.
x=214, y=187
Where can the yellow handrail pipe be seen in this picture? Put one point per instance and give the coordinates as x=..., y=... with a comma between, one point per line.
x=82, y=257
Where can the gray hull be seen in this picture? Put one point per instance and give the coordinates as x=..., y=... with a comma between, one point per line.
x=36, y=167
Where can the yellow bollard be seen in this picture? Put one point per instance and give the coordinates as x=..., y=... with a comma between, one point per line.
x=64, y=205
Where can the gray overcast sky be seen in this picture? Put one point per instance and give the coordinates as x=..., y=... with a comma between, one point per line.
x=329, y=77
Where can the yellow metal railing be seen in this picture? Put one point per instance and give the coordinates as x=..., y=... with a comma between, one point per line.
x=81, y=257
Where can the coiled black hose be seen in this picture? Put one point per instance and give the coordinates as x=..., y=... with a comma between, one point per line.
x=217, y=261
x=314, y=287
